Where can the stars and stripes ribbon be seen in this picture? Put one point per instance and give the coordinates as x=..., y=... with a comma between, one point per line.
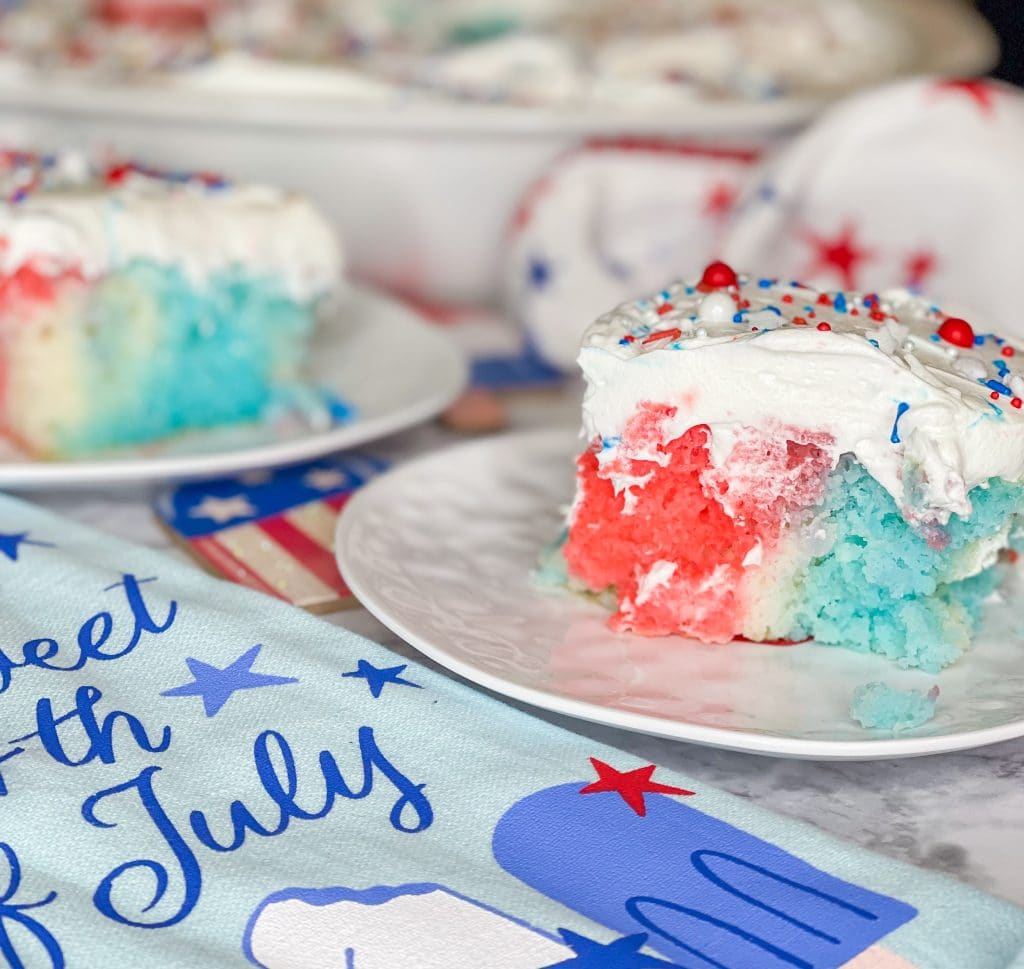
x=272, y=531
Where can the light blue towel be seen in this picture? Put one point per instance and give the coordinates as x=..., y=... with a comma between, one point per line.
x=194, y=775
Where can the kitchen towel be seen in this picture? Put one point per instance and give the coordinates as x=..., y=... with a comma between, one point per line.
x=195, y=774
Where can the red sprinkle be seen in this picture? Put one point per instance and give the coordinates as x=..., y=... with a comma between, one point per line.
x=855, y=312
x=719, y=275
x=823, y=300
x=629, y=338
x=116, y=174
x=665, y=308
x=1007, y=351
x=672, y=334
x=787, y=298
x=958, y=332
x=824, y=326
x=1016, y=402
x=799, y=321
x=995, y=395
x=877, y=315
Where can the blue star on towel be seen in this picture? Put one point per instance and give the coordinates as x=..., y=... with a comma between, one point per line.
x=216, y=686
x=379, y=678
x=10, y=543
x=539, y=273
x=621, y=954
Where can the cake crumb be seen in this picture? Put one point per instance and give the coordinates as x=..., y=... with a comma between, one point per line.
x=876, y=706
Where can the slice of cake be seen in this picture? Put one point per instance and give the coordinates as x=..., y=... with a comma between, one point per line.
x=769, y=462
x=135, y=304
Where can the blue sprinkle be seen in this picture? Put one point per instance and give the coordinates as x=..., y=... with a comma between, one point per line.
x=737, y=318
x=766, y=191
x=774, y=309
x=1001, y=367
x=874, y=343
x=665, y=294
x=900, y=411
x=765, y=283
x=979, y=341
x=935, y=338
x=999, y=340
x=998, y=410
x=997, y=387
x=607, y=443
x=624, y=342
x=808, y=309
x=690, y=290
x=839, y=303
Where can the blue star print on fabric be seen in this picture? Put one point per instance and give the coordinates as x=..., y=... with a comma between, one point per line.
x=216, y=686
x=621, y=954
x=539, y=273
x=379, y=678
x=10, y=543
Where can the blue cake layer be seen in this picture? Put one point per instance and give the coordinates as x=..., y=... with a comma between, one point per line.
x=881, y=588
x=162, y=355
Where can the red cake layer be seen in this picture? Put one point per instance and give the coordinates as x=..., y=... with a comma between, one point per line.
x=703, y=520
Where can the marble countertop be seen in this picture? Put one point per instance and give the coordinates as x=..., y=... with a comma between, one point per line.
x=961, y=814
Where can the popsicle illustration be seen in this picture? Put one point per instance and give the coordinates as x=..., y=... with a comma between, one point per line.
x=707, y=893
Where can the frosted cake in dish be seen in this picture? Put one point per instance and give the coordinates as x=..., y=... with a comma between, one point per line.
x=546, y=52
x=135, y=303
x=770, y=462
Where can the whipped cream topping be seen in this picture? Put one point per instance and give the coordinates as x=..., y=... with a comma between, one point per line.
x=930, y=406
x=62, y=214
x=522, y=51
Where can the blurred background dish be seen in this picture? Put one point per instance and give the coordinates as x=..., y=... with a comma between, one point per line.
x=422, y=159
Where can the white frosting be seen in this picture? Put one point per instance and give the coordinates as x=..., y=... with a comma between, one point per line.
x=551, y=51
x=69, y=220
x=768, y=371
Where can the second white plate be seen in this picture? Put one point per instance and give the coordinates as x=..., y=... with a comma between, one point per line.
x=441, y=552
x=393, y=369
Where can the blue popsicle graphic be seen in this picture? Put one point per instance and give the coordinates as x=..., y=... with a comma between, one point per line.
x=707, y=893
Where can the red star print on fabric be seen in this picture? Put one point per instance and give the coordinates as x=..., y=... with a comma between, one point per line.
x=980, y=91
x=631, y=785
x=719, y=201
x=918, y=267
x=841, y=253
x=524, y=211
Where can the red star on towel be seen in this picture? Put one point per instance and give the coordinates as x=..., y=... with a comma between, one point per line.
x=977, y=89
x=631, y=785
x=918, y=267
x=841, y=253
x=719, y=201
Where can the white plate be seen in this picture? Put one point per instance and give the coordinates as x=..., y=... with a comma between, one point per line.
x=441, y=550
x=395, y=369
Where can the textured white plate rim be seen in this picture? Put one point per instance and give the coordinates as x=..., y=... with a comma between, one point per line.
x=348, y=559
x=436, y=351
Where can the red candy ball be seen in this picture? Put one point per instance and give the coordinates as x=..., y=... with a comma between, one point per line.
x=719, y=275
x=958, y=332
